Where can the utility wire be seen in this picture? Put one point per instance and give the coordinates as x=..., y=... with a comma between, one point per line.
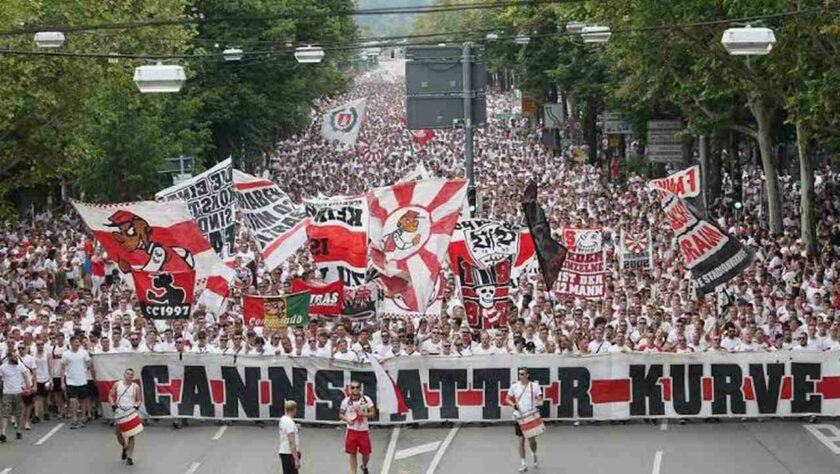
x=368, y=43
x=199, y=20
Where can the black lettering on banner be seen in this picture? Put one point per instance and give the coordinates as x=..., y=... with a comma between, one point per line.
x=574, y=386
x=236, y=392
x=151, y=376
x=687, y=401
x=368, y=381
x=409, y=383
x=491, y=380
x=542, y=377
x=728, y=379
x=647, y=394
x=282, y=389
x=804, y=399
x=767, y=387
x=325, y=380
x=196, y=391
x=448, y=382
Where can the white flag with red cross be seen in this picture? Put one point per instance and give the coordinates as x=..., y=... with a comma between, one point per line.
x=411, y=225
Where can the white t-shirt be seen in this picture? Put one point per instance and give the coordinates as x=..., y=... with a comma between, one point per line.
x=350, y=407
x=287, y=426
x=525, y=395
x=13, y=378
x=75, y=367
x=598, y=347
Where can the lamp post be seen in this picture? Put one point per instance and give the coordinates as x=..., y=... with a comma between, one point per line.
x=232, y=54
x=159, y=78
x=595, y=34
x=49, y=39
x=748, y=41
x=309, y=54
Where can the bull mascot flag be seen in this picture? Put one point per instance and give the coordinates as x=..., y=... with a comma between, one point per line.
x=155, y=237
x=165, y=295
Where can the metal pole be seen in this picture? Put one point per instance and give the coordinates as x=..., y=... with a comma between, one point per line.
x=468, y=119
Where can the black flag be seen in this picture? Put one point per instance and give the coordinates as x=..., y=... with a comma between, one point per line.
x=550, y=253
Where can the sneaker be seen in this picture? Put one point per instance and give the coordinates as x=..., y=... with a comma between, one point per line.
x=18, y=435
x=2, y=438
x=577, y=423
x=74, y=426
x=364, y=470
x=123, y=455
x=536, y=462
x=35, y=420
x=129, y=461
x=82, y=424
x=27, y=427
x=523, y=468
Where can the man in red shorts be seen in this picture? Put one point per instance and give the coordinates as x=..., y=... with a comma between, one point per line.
x=355, y=410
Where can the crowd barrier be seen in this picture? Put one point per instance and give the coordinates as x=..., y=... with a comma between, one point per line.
x=473, y=389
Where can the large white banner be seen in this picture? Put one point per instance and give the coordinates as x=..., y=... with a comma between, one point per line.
x=209, y=197
x=473, y=389
x=344, y=122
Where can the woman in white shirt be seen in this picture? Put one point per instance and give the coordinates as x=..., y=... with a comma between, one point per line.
x=289, y=439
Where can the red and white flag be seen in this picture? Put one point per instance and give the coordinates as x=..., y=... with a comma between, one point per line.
x=153, y=236
x=276, y=223
x=421, y=137
x=388, y=394
x=410, y=228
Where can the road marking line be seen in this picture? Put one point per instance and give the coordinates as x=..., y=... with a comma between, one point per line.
x=49, y=435
x=392, y=446
x=423, y=448
x=220, y=432
x=193, y=468
x=439, y=454
x=831, y=442
x=664, y=425
x=6, y=471
x=657, y=462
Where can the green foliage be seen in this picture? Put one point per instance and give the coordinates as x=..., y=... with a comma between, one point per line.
x=83, y=122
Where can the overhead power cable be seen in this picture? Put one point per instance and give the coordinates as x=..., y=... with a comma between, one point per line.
x=392, y=41
x=200, y=20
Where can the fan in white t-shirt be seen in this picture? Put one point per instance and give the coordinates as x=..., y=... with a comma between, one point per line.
x=525, y=396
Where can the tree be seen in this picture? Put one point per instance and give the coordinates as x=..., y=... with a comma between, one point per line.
x=250, y=105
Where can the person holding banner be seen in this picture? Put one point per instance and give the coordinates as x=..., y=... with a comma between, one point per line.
x=125, y=399
x=526, y=397
x=355, y=410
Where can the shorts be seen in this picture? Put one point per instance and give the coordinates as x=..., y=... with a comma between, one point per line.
x=41, y=389
x=287, y=461
x=57, y=384
x=28, y=400
x=10, y=405
x=78, y=392
x=91, y=390
x=357, y=442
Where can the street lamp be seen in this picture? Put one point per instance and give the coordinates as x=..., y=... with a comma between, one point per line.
x=595, y=34
x=491, y=37
x=748, y=41
x=49, y=39
x=232, y=54
x=523, y=40
x=575, y=27
x=309, y=54
x=159, y=78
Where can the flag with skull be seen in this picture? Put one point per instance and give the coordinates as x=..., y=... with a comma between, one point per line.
x=485, y=292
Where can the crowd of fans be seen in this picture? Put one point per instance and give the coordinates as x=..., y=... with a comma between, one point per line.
x=60, y=294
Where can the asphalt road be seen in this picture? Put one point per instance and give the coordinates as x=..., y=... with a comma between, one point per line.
x=772, y=447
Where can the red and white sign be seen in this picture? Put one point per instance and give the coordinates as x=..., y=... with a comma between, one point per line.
x=585, y=265
x=338, y=238
x=684, y=184
x=411, y=225
x=327, y=299
x=153, y=236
